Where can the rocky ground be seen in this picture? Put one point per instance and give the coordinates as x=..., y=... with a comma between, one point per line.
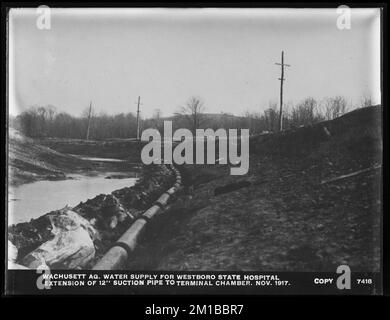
x=77, y=237
x=310, y=202
x=72, y=238
x=287, y=214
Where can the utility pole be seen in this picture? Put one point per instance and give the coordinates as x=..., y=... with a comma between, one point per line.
x=89, y=119
x=138, y=104
x=282, y=65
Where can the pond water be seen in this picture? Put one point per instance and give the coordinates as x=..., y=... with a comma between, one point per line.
x=31, y=200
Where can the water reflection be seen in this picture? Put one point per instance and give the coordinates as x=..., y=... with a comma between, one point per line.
x=31, y=200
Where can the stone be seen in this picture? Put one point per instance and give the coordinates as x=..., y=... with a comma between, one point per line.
x=72, y=246
x=12, y=252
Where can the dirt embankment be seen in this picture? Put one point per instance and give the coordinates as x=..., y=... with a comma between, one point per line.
x=77, y=237
x=29, y=161
x=125, y=149
x=286, y=214
x=52, y=159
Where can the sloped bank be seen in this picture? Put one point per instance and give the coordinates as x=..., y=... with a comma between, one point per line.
x=123, y=249
x=77, y=237
x=31, y=160
x=311, y=201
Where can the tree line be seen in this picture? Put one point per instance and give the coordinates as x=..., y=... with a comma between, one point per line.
x=46, y=121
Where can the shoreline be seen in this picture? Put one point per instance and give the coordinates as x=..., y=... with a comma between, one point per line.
x=101, y=220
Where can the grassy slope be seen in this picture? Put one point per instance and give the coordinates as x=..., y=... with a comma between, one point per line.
x=286, y=219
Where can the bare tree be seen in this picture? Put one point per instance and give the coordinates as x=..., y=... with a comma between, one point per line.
x=366, y=101
x=335, y=107
x=51, y=111
x=193, y=111
x=157, y=113
x=156, y=120
x=88, y=114
x=271, y=115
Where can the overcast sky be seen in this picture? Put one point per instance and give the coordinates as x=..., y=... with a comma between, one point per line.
x=224, y=56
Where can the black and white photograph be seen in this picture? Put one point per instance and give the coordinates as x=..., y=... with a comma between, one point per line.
x=194, y=150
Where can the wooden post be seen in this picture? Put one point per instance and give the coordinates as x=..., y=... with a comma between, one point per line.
x=89, y=119
x=282, y=65
x=138, y=104
x=281, y=95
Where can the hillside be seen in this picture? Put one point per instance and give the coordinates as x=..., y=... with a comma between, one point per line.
x=31, y=160
x=310, y=202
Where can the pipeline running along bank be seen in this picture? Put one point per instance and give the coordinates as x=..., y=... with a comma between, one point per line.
x=82, y=237
x=122, y=249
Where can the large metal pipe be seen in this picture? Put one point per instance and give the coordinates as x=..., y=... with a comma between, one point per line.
x=163, y=200
x=177, y=185
x=151, y=212
x=171, y=191
x=117, y=256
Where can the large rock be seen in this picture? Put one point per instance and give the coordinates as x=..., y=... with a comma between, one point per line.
x=12, y=256
x=71, y=247
x=74, y=238
x=12, y=252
